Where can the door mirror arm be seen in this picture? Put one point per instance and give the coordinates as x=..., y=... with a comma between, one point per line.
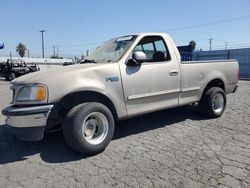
x=132, y=62
x=138, y=57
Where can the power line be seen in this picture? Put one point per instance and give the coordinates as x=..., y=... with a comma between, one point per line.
x=78, y=45
x=222, y=47
x=211, y=23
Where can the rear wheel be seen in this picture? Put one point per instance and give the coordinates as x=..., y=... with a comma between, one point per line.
x=213, y=102
x=88, y=128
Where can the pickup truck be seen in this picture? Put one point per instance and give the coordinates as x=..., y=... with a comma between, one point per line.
x=125, y=77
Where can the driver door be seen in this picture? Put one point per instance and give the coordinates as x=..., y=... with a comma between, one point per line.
x=155, y=84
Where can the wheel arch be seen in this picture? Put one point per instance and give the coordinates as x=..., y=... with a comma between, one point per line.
x=67, y=102
x=215, y=82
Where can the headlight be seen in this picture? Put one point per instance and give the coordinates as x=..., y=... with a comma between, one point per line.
x=31, y=93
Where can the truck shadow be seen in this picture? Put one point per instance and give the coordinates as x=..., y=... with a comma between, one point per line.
x=53, y=149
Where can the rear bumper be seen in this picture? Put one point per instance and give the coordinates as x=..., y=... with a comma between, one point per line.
x=27, y=123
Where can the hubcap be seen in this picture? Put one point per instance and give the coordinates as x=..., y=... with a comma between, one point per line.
x=218, y=103
x=95, y=128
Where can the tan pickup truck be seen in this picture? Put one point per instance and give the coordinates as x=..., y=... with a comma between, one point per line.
x=125, y=77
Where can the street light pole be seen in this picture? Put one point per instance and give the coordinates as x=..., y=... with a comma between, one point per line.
x=42, y=31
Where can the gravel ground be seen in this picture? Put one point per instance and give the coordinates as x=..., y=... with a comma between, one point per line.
x=170, y=148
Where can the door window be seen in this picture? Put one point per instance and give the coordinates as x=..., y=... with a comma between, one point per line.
x=155, y=49
x=149, y=50
x=138, y=48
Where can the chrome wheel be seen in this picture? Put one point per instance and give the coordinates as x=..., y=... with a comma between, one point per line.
x=218, y=103
x=95, y=128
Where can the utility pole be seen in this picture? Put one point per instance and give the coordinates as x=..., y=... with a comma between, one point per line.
x=57, y=47
x=10, y=55
x=28, y=53
x=42, y=31
x=75, y=59
x=87, y=53
x=210, y=44
x=54, y=51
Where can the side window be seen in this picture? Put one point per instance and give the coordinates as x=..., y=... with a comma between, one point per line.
x=138, y=48
x=149, y=50
x=160, y=46
x=155, y=49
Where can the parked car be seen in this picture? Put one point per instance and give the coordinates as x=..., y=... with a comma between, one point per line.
x=2, y=68
x=15, y=68
x=68, y=63
x=125, y=77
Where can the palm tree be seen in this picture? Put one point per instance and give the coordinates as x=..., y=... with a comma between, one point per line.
x=21, y=48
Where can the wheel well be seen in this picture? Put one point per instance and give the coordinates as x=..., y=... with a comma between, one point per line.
x=214, y=83
x=69, y=101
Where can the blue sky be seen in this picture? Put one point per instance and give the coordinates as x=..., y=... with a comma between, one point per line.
x=78, y=25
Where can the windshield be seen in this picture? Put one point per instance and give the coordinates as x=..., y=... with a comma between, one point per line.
x=112, y=50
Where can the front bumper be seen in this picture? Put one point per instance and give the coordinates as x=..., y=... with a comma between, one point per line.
x=27, y=123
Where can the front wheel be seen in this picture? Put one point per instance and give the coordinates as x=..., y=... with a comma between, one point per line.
x=88, y=128
x=213, y=102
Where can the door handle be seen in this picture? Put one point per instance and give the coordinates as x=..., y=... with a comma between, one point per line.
x=173, y=72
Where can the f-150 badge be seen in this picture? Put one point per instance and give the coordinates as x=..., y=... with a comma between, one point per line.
x=112, y=79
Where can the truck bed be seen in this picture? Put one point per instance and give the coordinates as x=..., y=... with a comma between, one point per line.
x=197, y=74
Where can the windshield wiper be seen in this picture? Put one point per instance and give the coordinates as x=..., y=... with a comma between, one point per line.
x=88, y=61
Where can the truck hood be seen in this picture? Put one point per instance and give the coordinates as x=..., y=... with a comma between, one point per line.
x=56, y=74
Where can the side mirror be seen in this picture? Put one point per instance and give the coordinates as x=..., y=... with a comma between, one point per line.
x=137, y=58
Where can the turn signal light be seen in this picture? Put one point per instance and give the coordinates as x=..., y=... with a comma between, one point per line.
x=40, y=95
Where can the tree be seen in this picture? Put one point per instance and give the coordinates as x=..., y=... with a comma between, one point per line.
x=192, y=44
x=21, y=48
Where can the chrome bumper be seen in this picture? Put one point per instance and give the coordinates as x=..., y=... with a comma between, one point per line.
x=28, y=123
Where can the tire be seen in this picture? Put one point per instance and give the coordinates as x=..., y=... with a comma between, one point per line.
x=88, y=128
x=12, y=76
x=213, y=102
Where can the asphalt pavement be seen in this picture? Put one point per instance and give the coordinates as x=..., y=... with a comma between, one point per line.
x=170, y=148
